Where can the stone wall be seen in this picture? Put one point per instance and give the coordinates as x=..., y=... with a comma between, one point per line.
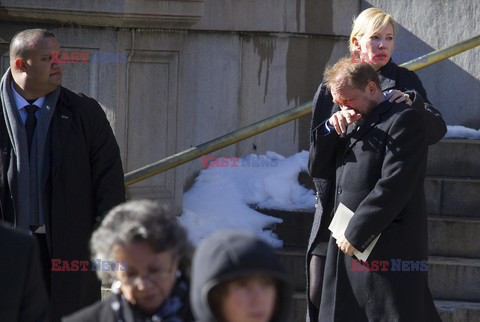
x=192, y=70
x=452, y=85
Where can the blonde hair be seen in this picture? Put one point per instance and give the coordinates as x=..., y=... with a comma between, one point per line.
x=368, y=22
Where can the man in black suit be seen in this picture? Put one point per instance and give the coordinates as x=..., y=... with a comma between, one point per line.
x=60, y=166
x=375, y=151
x=23, y=296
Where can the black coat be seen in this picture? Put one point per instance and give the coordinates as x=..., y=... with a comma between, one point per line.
x=103, y=311
x=23, y=296
x=85, y=181
x=100, y=311
x=391, y=77
x=379, y=172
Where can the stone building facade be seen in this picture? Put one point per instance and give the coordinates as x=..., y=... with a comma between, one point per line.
x=172, y=74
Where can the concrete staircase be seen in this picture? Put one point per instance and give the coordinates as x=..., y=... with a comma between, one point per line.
x=452, y=189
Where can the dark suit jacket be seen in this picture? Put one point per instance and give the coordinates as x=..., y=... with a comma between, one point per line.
x=22, y=296
x=86, y=180
x=379, y=172
x=100, y=311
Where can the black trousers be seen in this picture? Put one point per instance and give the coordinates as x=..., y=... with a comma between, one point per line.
x=45, y=260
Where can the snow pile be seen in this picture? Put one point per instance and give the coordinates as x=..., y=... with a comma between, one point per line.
x=222, y=195
x=461, y=132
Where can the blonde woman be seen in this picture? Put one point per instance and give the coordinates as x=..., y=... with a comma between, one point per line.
x=372, y=41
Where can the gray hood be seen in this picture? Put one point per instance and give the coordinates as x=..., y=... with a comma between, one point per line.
x=230, y=254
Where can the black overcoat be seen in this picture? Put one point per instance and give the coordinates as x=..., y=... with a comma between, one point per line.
x=85, y=181
x=391, y=76
x=23, y=296
x=379, y=171
x=116, y=308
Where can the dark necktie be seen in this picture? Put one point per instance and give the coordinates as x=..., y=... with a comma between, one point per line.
x=30, y=124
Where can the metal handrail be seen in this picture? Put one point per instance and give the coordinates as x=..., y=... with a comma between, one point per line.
x=277, y=119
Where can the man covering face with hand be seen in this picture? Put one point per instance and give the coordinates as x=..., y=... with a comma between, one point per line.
x=375, y=152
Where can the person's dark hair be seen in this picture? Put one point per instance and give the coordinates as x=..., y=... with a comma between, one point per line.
x=23, y=41
x=215, y=297
x=358, y=75
x=141, y=221
x=229, y=256
x=218, y=293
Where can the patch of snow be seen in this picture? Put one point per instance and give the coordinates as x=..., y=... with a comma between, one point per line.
x=221, y=196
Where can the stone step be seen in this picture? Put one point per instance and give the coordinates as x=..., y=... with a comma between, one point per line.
x=449, y=311
x=445, y=196
x=295, y=228
x=452, y=196
x=455, y=311
x=454, y=278
x=453, y=236
x=447, y=235
x=299, y=309
x=451, y=157
x=294, y=260
x=450, y=278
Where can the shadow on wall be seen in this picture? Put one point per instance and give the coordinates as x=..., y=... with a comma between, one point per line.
x=450, y=88
x=311, y=56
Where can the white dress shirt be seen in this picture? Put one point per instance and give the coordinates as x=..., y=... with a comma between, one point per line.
x=21, y=103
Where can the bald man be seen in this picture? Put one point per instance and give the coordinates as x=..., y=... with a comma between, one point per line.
x=60, y=166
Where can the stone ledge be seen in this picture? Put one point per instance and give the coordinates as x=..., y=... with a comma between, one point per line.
x=120, y=14
x=453, y=311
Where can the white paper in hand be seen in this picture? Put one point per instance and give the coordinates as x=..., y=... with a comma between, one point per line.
x=339, y=224
x=340, y=221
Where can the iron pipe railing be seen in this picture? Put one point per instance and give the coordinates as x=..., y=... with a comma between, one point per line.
x=216, y=144
x=277, y=119
x=442, y=54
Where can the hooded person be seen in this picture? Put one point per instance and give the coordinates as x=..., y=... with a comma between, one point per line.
x=238, y=277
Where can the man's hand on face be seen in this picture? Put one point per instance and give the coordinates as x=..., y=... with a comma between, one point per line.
x=342, y=118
